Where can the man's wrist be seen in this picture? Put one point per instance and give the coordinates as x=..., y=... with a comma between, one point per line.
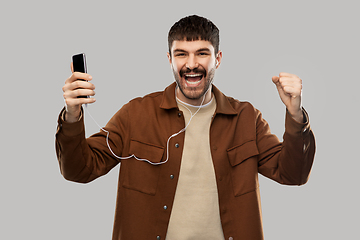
x=293, y=127
x=66, y=117
x=298, y=116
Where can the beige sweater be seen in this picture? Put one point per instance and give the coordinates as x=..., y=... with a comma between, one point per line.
x=195, y=213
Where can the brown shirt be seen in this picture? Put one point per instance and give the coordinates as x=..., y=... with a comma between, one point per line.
x=241, y=147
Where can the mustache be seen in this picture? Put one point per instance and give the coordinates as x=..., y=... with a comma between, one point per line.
x=194, y=70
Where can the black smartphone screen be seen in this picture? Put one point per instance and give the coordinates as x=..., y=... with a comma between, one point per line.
x=79, y=65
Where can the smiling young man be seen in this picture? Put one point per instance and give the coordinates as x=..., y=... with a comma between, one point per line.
x=194, y=64
x=204, y=149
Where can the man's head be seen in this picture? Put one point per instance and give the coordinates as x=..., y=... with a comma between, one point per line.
x=193, y=28
x=194, y=56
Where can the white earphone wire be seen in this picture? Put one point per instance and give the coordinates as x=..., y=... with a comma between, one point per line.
x=167, y=143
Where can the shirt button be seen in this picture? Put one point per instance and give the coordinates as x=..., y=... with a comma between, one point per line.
x=171, y=176
x=165, y=207
x=179, y=114
x=158, y=237
x=177, y=145
x=231, y=238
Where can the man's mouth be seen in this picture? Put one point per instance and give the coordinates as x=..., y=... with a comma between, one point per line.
x=193, y=80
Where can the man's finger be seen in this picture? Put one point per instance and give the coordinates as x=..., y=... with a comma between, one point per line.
x=78, y=101
x=77, y=85
x=81, y=84
x=78, y=76
x=275, y=79
x=285, y=74
x=291, y=79
x=79, y=92
x=291, y=91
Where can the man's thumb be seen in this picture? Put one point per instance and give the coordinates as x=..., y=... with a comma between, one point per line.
x=275, y=80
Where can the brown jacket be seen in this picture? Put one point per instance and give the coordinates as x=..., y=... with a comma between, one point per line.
x=241, y=147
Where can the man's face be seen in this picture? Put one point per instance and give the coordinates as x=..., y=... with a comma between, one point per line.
x=193, y=64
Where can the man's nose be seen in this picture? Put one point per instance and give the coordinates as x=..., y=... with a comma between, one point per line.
x=191, y=62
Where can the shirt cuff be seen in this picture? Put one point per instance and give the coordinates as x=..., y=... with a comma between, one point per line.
x=296, y=128
x=70, y=129
x=62, y=115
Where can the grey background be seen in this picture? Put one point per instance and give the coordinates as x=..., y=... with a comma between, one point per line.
x=126, y=45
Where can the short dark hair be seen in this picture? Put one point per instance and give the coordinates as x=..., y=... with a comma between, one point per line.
x=193, y=28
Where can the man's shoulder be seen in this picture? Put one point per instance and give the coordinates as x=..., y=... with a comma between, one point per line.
x=154, y=96
x=236, y=104
x=164, y=99
x=231, y=105
x=246, y=112
x=241, y=105
x=144, y=104
x=153, y=100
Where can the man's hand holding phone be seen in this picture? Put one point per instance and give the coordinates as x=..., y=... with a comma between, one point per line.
x=75, y=90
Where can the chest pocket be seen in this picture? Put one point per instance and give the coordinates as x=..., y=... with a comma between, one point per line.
x=139, y=175
x=244, y=172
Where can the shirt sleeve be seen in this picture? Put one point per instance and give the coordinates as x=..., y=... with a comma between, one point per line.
x=288, y=162
x=83, y=159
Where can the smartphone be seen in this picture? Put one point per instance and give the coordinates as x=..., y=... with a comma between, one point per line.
x=79, y=65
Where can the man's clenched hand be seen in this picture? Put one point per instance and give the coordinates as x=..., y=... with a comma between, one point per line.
x=72, y=89
x=289, y=87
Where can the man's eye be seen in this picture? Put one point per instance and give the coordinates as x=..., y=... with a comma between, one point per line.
x=203, y=54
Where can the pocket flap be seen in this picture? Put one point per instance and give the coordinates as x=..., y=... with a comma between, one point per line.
x=146, y=151
x=242, y=152
x=142, y=176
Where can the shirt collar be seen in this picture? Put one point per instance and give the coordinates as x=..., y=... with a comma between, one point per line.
x=222, y=102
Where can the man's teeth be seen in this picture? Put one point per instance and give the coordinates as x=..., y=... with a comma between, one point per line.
x=193, y=75
x=193, y=79
x=193, y=82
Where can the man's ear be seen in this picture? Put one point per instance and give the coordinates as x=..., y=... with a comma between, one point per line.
x=169, y=57
x=218, y=58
